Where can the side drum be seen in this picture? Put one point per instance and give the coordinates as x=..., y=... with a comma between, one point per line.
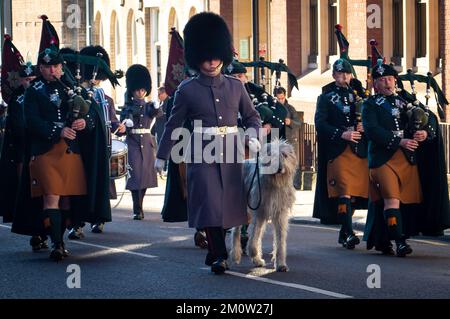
x=118, y=167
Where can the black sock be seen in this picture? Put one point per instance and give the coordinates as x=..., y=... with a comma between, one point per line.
x=65, y=221
x=345, y=214
x=55, y=225
x=393, y=218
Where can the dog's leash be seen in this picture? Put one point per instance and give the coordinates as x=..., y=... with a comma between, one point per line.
x=255, y=174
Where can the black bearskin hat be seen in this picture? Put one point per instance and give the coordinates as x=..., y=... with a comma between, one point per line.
x=138, y=77
x=206, y=37
x=87, y=70
x=71, y=66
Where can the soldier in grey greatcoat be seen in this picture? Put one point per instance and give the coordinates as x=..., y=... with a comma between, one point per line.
x=140, y=142
x=216, y=196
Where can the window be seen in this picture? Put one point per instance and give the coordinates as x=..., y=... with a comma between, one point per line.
x=313, y=40
x=158, y=64
x=421, y=29
x=332, y=21
x=397, y=26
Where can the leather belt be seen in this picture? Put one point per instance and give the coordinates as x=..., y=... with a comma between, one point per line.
x=216, y=130
x=140, y=131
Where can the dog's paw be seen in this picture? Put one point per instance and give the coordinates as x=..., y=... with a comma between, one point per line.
x=236, y=259
x=282, y=268
x=258, y=262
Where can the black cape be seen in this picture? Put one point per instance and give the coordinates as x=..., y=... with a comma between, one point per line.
x=175, y=203
x=11, y=156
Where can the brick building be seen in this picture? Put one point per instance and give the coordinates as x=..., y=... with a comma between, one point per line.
x=411, y=33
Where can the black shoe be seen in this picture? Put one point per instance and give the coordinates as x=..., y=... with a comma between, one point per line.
x=35, y=243
x=403, y=249
x=76, y=233
x=57, y=252
x=219, y=266
x=97, y=228
x=200, y=240
x=388, y=251
x=44, y=243
x=209, y=260
x=65, y=251
x=342, y=237
x=351, y=241
x=138, y=216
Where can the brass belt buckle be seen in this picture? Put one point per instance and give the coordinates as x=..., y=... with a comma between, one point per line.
x=222, y=130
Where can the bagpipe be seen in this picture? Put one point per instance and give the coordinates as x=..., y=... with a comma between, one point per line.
x=274, y=67
x=417, y=114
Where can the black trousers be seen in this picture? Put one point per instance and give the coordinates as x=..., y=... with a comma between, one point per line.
x=216, y=244
x=138, y=199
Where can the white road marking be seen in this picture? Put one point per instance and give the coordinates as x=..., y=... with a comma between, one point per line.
x=429, y=242
x=287, y=284
x=127, y=249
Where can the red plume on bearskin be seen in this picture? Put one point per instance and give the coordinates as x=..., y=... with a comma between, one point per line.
x=376, y=55
x=175, y=72
x=49, y=36
x=11, y=62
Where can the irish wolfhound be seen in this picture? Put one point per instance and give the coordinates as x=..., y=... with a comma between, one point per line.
x=277, y=168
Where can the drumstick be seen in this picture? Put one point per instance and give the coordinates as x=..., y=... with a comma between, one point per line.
x=123, y=122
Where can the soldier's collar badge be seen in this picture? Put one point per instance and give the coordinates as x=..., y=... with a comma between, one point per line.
x=38, y=85
x=380, y=100
x=20, y=99
x=335, y=98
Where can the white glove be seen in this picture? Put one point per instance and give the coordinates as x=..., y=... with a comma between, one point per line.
x=159, y=165
x=128, y=123
x=254, y=145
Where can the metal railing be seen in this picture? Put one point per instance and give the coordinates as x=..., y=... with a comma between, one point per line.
x=308, y=147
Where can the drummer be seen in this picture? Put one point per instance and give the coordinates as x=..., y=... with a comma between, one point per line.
x=141, y=144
